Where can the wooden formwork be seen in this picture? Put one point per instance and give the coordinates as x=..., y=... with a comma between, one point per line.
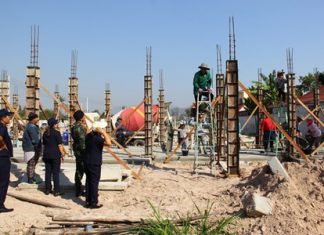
x=32, y=89
x=259, y=135
x=291, y=107
x=4, y=91
x=108, y=110
x=232, y=117
x=148, y=116
x=162, y=114
x=220, y=133
x=73, y=94
x=15, y=124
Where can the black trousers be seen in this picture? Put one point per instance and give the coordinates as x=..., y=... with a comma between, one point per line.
x=204, y=93
x=4, y=178
x=52, y=168
x=269, y=137
x=93, y=173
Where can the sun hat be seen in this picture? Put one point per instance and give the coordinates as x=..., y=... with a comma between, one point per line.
x=203, y=65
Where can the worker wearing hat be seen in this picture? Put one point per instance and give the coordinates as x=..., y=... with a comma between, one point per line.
x=202, y=82
x=6, y=152
x=280, y=85
x=78, y=133
x=31, y=145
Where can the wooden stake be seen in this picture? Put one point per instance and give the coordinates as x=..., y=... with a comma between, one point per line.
x=170, y=155
x=317, y=149
x=247, y=121
x=274, y=121
x=314, y=110
x=310, y=112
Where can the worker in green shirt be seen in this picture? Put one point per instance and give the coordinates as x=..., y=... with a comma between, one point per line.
x=202, y=82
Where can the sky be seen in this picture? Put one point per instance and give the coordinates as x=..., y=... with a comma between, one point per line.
x=111, y=37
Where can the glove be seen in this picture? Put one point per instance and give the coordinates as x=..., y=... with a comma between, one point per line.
x=200, y=90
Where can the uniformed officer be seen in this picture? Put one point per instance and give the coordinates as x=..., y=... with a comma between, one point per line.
x=53, y=155
x=95, y=141
x=78, y=133
x=6, y=152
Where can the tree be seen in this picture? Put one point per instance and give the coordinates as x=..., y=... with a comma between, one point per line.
x=306, y=84
x=270, y=93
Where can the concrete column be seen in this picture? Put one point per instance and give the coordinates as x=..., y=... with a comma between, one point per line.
x=291, y=108
x=232, y=118
x=108, y=110
x=15, y=130
x=259, y=134
x=220, y=117
x=148, y=116
x=73, y=93
x=32, y=89
x=162, y=115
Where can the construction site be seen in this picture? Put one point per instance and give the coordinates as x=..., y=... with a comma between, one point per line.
x=219, y=165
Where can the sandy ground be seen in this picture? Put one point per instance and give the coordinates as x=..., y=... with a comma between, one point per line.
x=298, y=205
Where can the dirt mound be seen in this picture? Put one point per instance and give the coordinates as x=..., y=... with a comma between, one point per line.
x=298, y=203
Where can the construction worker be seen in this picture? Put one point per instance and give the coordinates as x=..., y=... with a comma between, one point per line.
x=31, y=145
x=121, y=133
x=269, y=135
x=95, y=140
x=202, y=82
x=280, y=82
x=314, y=133
x=78, y=133
x=6, y=152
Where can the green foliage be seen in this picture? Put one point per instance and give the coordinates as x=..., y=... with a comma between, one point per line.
x=203, y=226
x=270, y=93
x=307, y=83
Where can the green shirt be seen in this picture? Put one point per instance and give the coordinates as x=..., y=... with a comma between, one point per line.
x=201, y=81
x=78, y=134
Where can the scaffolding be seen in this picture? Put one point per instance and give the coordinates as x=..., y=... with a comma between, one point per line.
x=4, y=88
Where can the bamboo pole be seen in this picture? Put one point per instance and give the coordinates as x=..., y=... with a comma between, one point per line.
x=247, y=121
x=170, y=155
x=274, y=121
x=37, y=201
x=128, y=116
x=310, y=112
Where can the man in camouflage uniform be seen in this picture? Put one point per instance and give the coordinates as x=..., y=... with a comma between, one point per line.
x=78, y=133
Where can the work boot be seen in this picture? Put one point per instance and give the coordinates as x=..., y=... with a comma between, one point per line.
x=5, y=210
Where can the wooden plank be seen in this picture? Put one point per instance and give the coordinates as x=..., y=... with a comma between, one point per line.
x=15, y=112
x=317, y=149
x=170, y=155
x=42, y=110
x=248, y=120
x=310, y=112
x=314, y=110
x=301, y=152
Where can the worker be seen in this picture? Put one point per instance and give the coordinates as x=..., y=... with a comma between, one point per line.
x=268, y=129
x=170, y=134
x=52, y=156
x=31, y=145
x=182, y=136
x=6, y=152
x=78, y=133
x=314, y=133
x=202, y=82
x=280, y=82
x=121, y=133
x=95, y=140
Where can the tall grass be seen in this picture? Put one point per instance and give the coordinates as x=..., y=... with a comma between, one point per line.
x=200, y=225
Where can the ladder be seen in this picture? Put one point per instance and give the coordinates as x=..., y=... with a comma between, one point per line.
x=204, y=133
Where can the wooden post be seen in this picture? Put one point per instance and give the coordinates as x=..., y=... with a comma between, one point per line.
x=32, y=89
x=259, y=133
x=300, y=151
x=317, y=104
x=162, y=112
x=249, y=118
x=233, y=141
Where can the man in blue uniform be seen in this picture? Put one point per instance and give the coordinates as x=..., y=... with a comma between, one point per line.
x=94, y=141
x=6, y=152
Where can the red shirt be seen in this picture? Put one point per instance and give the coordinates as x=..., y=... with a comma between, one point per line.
x=267, y=125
